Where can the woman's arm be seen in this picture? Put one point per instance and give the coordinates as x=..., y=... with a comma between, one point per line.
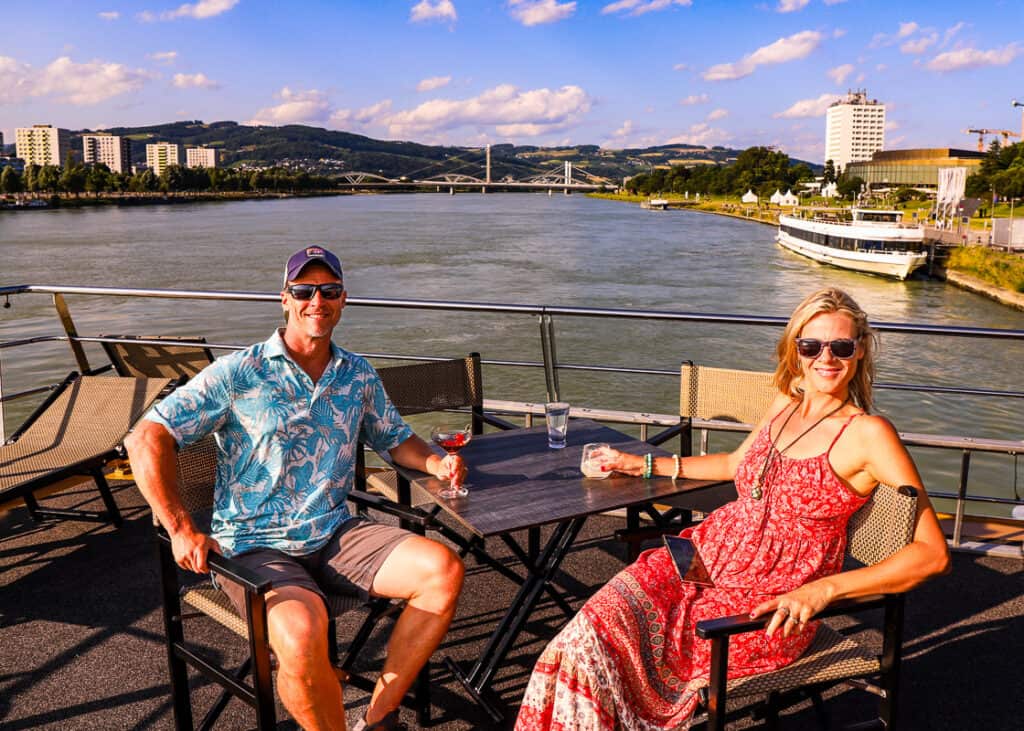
x=877, y=447
x=718, y=466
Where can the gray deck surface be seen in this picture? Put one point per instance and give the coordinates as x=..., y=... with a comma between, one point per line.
x=81, y=639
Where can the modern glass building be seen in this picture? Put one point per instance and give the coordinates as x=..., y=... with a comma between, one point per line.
x=912, y=168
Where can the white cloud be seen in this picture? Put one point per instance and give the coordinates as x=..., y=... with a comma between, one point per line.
x=198, y=11
x=109, y=15
x=194, y=81
x=797, y=46
x=375, y=114
x=15, y=80
x=881, y=67
x=808, y=108
x=700, y=134
x=907, y=29
x=538, y=12
x=839, y=74
x=839, y=32
x=681, y=67
x=296, y=107
x=165, y=57
x=513, y=112
x=434, y=82
x=891, y=125
x=689, y=101
x=971, y=58
x=83, y=84
x=639, y=7
x=952, y=31
x=917, y=46
x=717, y=114
x=791, y=6
x=438, y=10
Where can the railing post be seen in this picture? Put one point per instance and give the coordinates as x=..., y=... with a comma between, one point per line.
x=961, y=497
x=69, y=327
x=3, y=433
x=547, y=344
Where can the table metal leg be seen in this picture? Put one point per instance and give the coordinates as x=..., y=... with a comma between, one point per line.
x=501, y=640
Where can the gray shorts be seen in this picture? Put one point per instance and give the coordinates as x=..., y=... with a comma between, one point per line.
x=341, y=572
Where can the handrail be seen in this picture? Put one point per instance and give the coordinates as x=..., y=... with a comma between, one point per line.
x=550, y=364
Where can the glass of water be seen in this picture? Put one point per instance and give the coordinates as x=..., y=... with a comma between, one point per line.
x=557, y=415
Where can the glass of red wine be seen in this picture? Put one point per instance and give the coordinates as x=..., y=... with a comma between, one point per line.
x=452, y=440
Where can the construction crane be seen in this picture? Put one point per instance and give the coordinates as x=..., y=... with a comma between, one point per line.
x=1007, y=134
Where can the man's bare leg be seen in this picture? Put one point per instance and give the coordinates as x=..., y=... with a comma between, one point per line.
x=429, y=577
x=306, y=681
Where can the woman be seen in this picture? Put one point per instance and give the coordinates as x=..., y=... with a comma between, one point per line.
x=630, y=658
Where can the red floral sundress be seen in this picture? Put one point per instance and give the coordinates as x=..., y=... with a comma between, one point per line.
x=630, y=659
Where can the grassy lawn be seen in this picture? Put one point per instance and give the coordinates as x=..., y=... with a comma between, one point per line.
x=995, y=267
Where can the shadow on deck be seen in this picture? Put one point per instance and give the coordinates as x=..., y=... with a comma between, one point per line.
x=81, y=639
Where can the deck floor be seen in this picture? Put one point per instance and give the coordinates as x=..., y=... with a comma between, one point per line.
x=81, y=634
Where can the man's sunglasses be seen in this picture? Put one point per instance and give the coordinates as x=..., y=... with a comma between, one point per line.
x=843, y=348
x=303, y=292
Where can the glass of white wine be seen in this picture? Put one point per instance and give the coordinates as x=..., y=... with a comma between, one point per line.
x=590, y=462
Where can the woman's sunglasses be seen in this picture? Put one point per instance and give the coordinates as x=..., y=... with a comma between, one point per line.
x=303, y=292
x=843, y=348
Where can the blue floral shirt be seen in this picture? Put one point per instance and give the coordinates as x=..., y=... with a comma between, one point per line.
x=286, y=446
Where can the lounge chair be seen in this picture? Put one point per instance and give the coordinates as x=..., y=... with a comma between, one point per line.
x=73, y=433
x=151, y=360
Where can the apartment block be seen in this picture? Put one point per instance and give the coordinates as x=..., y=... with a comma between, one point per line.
x=161, y=154
x=42, y=144
x=112, y=150
x=854, y=129
x=201, y=157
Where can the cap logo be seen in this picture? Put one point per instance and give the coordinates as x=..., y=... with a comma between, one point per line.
x=314, y=251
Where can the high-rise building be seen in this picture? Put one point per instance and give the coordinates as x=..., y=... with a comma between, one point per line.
x=201, y=157
x=113, y=151
x=42, y=144
x=854, y=129
x=161, y=154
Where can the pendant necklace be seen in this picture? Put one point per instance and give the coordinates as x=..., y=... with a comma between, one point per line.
x=758, y=490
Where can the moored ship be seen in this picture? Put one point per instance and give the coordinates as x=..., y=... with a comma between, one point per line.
x=873, y=241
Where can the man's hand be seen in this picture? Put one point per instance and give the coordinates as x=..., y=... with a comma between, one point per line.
x=190, y=549
x=453, y=468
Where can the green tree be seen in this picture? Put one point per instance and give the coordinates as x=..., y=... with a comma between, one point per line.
x=849, y=187
x=48, y=179
x=72, y=178
x=829, y=176
x=98, y=179
x=30, y=178
x=10, y=181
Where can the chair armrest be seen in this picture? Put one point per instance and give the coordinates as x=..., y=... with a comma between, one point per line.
x=709, y=629
x=664, y=436
x=377, y=502
x=499, y=422
x=230, y=569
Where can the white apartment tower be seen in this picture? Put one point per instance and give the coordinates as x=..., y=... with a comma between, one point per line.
x=161, y=154
x=113, y=151
x=854, y=129
x=42, y=144
x=201, y=157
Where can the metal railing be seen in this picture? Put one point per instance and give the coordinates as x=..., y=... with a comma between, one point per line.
x=551, y=366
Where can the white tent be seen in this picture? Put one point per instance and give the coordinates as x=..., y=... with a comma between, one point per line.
x=789, y=199
x=829, y=191
x=776, y=197
x=749, y=197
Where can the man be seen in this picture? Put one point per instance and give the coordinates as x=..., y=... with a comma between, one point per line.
x=287, y=414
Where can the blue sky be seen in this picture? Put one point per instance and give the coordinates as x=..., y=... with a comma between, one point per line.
x=616, y=73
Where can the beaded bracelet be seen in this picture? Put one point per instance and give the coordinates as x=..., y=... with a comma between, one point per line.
x=648, y=465
x=676, y=465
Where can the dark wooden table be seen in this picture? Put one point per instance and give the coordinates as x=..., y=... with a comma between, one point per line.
x=516, y=482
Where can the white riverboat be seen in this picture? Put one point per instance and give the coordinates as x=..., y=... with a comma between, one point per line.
x=873, y=241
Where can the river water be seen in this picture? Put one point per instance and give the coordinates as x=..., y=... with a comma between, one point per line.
x=510, y=248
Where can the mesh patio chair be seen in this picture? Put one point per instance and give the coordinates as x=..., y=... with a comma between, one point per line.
x=75, y=432
x=251, y=681
x=422, y=388
x=720, y=399
x=148, y=360
x=883, y=526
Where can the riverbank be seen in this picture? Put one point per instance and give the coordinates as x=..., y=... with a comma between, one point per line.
x=34, y=202
x=973, y=277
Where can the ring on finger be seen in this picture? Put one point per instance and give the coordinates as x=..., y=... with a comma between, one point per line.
x=784, y=611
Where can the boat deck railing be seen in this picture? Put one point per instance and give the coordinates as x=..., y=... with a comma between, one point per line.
x=552, y=367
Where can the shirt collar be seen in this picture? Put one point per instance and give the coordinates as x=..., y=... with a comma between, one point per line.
x=275, y=348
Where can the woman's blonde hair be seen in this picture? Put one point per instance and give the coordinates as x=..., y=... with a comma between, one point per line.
x=788, y=374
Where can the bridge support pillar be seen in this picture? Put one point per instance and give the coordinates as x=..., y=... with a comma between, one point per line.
x=483, y=189
x=451, y=190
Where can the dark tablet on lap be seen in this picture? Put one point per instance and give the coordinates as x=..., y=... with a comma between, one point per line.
x=688, y=562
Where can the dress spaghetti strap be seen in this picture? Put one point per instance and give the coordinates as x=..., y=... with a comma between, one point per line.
x=841, y=430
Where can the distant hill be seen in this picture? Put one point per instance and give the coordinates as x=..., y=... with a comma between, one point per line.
x=327, y=152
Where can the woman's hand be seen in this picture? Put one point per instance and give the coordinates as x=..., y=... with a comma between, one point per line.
x=794, y=610
x=612, y=460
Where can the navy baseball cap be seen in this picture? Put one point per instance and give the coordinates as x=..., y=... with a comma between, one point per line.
x=307, y=255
